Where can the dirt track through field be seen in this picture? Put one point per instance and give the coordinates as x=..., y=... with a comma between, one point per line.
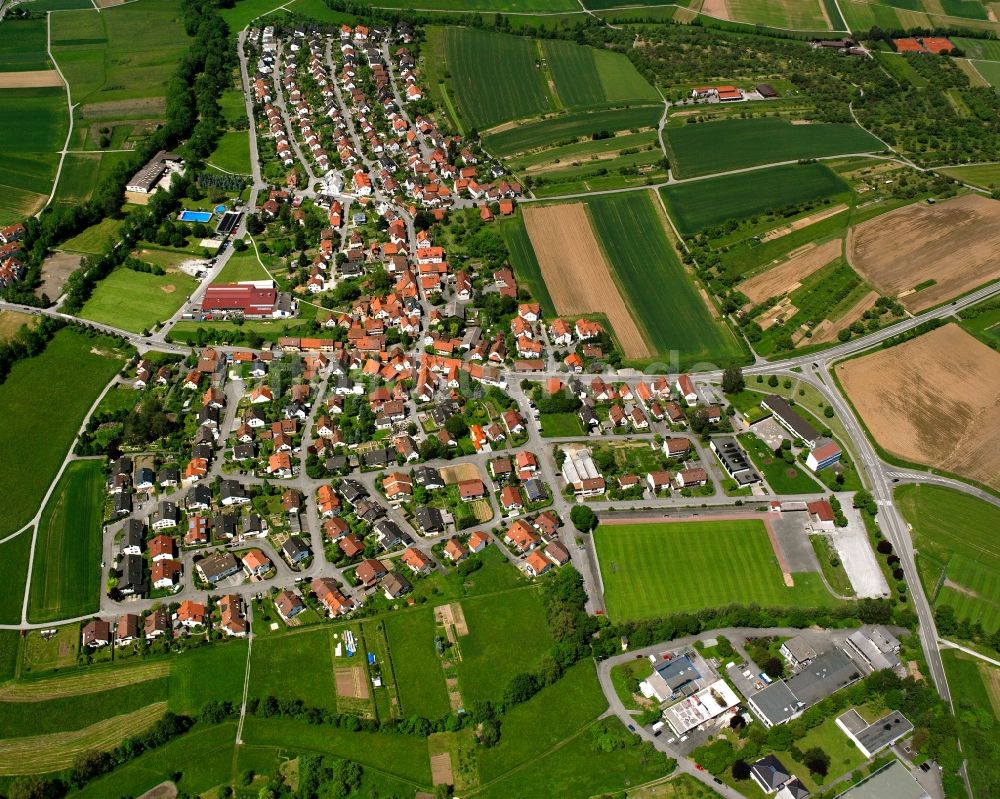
x=576, y=273
x=953, y=242
x=788, y=276
x=351, y=682
x=35, y=79
x=934, y=400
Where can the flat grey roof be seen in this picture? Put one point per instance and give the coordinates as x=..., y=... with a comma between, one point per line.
x=828, y=673
x=891, y=782
x=879, y=734
x=776, y=702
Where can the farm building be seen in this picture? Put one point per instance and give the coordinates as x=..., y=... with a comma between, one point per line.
x=148, y=179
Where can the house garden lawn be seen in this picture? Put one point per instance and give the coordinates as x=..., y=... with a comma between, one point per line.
x=13, y=576
x=419, y=678
x=701, y=149
x=207, y=673
x=66, y=579
x=22, y=45
x=975, y=687
x=49, y=392
x=297, y=665
x=403, y=756
x=204, y=757
x=958, y=550
x=137, y=301
x=497, y=574
x=525, y=264
x=554, y=714
x=985, y=175
x=557, y=425
x=652, y=570
x=508, y=634
x=493, y=76
x=661, y=295
x=603, y=758
x=557, y=129
x=95, y=239
x=640, y=669
x=704, y=203
x=62, y=714
x=783, y=478
x=232, y=154
x=33, y=124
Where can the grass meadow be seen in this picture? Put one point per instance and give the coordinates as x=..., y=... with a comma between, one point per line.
x=33, y=124
x=22, y=45
x=699, y=204
x=50, y=392
x=137, y=300
x=586, y=77
x=524, y=262
x=9, y=640
x=66, y=579
x=990, y=70
x=975, y=687
x=232, y=153
x=984, y=175
x=984, y=49
x=419, y=677
x=711, y=147
x=493, y=76
x=83, y=172
x=508, y=634
x=13, y=576
x=652, y=570
x=565, y=126
x=661, y=295
x=959, y=553
x=94, y=239
x=208, y=673
x=782, y=477
x=294, y=666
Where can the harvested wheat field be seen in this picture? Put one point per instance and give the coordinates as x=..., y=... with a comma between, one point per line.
x=575, y=272
x=933, y=400
x=788, y=276
x=953, y=243
x=351, y=682
x=34, y=79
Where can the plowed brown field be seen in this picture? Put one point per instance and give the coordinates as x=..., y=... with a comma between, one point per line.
x=788, y=276
x=933, y=400
x=954, y=243
x=575, y=272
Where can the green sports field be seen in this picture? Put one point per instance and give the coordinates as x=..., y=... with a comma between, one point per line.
x=137, y=300
x=958, y=550
x=50, y=392
x=656, y=569
x=33, y=124
x=699, y=204
x=66, y=579
x=586, y=77
x=662, y=296
x=712, y=147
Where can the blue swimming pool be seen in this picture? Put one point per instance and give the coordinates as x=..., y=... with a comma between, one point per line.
x=195, y=216
x=220, y=209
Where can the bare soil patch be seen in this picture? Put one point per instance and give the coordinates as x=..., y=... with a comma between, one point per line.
x=165, y=790
x=35, y=79
x=827, y=331
x=578, y=278
x=934, y=401
x=779, y=313
x=954, y=242
x=169, y=288
x=55, y=271
x=805, y=221
x=351, y=682
x=452, y=617
x=459, y=472
x=788, y=276
x=441, y=769
x=454, y=694
x=716, y=8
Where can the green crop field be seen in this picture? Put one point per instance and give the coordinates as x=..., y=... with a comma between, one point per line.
x=526, y=268
x=699, y=204
x=959, y=553
x=33, y=124
x=49, y=392
x=493, y=76
x=419, y=678
x=66, y=579
x=990, y=70
x=652, y=570
x=663, y=299
x=232, y=153
x=22, y=45
x=82, y=172
x=587, y=77
x=985, y=175
x=508, y=634
x=737, y=143
x=13, y=577
x=582, y=151
x=506, y=6
x=137, y=300
x=560, y=128
x=306, y=655
x=794, y=14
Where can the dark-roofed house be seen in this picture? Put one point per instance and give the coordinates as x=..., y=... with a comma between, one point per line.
x=395, y=585
x=133, y=576
x=97, y=633
x=785, y=700
x=429, y=520
x=769, y=774
x=295, y=549
x=217, y=567
x=671, y=678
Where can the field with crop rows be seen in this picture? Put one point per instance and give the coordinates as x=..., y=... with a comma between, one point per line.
x=704, y=203
x=587, y=77
x=565, y=127
x=737, y=143
x=22, y=45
